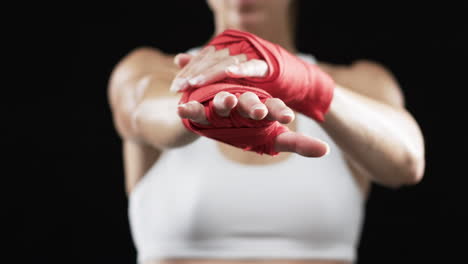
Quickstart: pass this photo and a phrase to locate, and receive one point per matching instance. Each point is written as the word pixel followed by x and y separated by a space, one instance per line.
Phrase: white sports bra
pixel 196 203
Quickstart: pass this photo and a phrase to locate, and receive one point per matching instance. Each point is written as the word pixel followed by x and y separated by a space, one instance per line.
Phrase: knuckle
pixel 250 94
pixel 242 57
pixel 224 94
pixel 247 95
pixel 271 102
pixel 200 112
pixel 262 63
pixel 282 104
pixel 205 51
pixel 221 53
pixel 220 94
pixel 218 99
pixel 238 59
pixel 202 52
pixel 234 60
pixel 277 101
pixel 245 66
pixel 193 104
pixel 177 58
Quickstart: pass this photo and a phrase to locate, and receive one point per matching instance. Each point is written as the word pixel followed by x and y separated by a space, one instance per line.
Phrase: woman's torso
pixel 225 261
pixel 205 193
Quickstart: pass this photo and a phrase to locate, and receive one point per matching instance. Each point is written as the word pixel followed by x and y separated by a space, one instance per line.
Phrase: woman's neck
pixel 275 29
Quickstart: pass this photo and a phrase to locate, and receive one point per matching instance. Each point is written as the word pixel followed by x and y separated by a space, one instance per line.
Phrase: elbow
pixel 123 109
pixel 124 123
pixel 406 172
pixel 129 66
pixel 122 86
pixel 411 172
pixel 414 171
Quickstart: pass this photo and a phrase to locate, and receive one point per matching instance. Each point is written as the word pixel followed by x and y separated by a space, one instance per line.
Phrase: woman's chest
pixel 217 198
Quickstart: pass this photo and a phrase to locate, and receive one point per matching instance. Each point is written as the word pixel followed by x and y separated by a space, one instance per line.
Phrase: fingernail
pixel 197 80
pixel 182 106
pixel 234 98
pixel 178 84
pixel 258 107
pixel 328 150
pixel 234 69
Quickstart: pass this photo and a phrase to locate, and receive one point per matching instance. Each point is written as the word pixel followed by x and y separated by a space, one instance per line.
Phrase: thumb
pixel 301 144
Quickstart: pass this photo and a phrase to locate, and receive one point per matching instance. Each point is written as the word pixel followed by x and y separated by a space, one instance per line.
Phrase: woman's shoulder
pixel 366 77
pixel 356 67
pixel 142 60
pixel 144 54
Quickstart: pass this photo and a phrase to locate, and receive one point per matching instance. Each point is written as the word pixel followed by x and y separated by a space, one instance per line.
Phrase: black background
pixel 67 201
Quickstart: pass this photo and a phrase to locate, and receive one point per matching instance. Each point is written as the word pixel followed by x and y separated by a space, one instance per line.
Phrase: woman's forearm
pixel 145 113
pixel 386 141
pixel 143 108
pixel 155 121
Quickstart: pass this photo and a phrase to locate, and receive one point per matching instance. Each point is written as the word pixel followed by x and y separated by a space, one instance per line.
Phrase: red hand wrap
pixel 301 85
pixel 238 131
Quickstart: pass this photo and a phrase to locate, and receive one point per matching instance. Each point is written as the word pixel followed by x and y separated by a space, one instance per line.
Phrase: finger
pixel 182 59
pixel 199 57
pixel 301 144
pixel 194 111
pixel 278 110
pixel 211 57
pixel 251 68
pixel 223 103
pixel 251 106
pixel 180 81
pixel 217 71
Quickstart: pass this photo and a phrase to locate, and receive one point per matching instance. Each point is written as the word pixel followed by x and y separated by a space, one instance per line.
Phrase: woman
pixel 196 200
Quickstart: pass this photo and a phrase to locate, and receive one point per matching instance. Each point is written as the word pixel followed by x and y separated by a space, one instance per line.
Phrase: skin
pixel 381 141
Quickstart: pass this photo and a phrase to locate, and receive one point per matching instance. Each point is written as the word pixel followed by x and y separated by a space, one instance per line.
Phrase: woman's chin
pixel 248 20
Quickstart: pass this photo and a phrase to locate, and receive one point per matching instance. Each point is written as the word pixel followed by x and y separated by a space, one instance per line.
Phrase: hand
pixel 302 86
pixel 249 105
pixel 212 65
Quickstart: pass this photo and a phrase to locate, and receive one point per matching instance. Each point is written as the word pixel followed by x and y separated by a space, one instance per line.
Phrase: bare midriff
pixel 224 261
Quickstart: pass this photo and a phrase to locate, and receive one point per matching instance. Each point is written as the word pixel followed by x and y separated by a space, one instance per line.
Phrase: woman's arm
pixel 138 159
pixel 147 116
pixel 368 120
pixel 143 110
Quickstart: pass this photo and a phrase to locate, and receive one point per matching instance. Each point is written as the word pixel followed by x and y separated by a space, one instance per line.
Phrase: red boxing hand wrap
pixel 302 86
pixel 238 131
